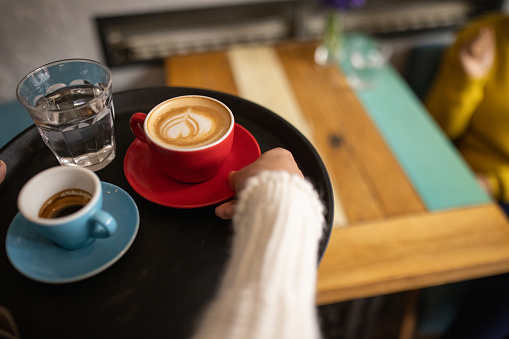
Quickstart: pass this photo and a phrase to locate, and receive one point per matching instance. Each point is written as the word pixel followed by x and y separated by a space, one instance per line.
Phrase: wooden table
pixel 395 227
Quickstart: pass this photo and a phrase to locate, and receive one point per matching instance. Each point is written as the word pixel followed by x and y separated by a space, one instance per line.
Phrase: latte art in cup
pixel 195 124
pixel 189 137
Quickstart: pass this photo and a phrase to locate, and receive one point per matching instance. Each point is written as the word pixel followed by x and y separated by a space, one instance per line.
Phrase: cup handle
pixel 103 225
pixel 136 124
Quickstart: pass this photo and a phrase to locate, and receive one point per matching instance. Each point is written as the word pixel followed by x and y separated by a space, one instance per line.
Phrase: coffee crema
pixel 64 203
pixel 194 123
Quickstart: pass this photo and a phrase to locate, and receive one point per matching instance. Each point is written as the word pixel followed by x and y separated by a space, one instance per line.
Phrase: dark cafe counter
pixel 163 281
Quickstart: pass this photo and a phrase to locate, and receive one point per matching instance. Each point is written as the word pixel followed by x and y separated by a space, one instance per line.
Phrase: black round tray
pixel 160 286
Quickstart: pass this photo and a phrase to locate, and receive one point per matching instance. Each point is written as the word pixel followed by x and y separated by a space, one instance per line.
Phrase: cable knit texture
pixel 268 290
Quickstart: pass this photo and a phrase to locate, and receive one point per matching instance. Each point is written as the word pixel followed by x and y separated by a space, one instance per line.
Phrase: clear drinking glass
pixel 366 57
pixel 71 103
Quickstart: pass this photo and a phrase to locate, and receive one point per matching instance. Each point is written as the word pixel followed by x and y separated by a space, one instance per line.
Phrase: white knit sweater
pixel 268 290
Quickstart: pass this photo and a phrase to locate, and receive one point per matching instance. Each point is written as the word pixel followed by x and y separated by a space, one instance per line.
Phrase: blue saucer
pixel 40 259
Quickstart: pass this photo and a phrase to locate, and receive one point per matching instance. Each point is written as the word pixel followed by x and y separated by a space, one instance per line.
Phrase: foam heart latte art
pixel 186 125
pixel 194 124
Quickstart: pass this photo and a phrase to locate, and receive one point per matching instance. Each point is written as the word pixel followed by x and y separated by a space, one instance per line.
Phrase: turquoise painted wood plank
pixel 432 163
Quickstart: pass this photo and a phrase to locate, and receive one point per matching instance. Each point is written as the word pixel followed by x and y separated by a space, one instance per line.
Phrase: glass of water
pixel 70 102
pixel 365 58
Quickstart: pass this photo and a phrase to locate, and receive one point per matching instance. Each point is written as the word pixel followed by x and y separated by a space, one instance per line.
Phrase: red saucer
pixel 149 181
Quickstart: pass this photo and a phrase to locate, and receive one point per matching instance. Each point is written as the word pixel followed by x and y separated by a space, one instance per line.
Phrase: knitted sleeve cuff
pixel 272 186
pixel 268 290
pixel 278 221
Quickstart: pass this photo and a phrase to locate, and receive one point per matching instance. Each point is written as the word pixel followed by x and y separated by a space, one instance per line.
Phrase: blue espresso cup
pixel 65 205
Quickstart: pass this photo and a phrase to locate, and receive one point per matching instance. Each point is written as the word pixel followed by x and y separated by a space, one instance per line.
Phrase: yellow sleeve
pixel 495 185
pixel 454 97
pixel 499 184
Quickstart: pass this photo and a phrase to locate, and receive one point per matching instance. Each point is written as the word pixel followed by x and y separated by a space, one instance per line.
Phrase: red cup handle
pixel 136 123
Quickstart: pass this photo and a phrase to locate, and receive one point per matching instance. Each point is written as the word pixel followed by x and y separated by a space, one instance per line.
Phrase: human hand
pixel 484 183
pixel 277 159
pixel 3 170
pixel 477 56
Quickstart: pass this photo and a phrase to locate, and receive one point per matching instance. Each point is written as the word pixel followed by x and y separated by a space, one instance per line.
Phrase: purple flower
pixel 344 4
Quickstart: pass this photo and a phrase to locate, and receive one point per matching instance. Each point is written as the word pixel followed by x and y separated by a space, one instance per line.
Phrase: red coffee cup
pixel 189 136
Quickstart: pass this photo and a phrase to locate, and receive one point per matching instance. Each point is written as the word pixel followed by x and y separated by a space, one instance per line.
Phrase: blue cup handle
pixel 103 225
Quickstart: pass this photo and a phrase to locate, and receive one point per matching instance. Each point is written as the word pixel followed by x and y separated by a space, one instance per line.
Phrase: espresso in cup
pixel 189 137
pixel 64 203
pixel 189 123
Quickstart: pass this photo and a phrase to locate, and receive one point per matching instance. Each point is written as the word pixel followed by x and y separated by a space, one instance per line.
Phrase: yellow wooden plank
pixel 414 252
pixel 208 70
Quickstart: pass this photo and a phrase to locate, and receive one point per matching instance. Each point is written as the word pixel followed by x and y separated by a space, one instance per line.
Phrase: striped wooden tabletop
pixel 408 234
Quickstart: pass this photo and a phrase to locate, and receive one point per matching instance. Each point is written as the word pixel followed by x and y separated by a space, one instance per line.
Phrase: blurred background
pixel 133 37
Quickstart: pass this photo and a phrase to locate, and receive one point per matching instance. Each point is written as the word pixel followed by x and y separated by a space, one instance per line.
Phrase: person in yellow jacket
pixel 469 99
